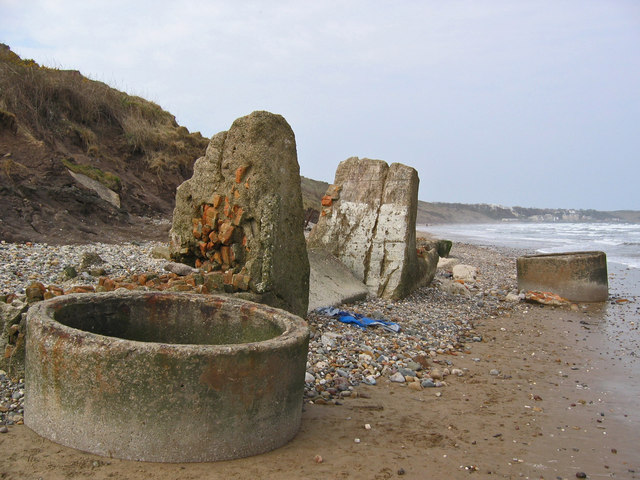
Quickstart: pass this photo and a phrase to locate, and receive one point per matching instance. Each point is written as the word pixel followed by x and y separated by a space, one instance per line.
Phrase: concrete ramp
pixel 330 282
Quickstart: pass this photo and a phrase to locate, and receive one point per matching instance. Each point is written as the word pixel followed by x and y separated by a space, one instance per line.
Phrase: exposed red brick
pixel 237 214
pixel 226 232
pixel 241 282
pixel 225 252
pixel 80 289
pixel 240 171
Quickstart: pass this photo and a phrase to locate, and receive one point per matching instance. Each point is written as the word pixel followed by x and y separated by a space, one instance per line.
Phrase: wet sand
pixel 564 402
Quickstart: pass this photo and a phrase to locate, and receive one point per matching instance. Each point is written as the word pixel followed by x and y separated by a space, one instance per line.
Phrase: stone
pixel 447 264
pixel 415 386
pixel 12 337
pixel 90 259
pixel 369 224
pixel 180 268
pixel 98 188
pixel 512 297
pixel 428 383
pixel 35 292
pixel 466 273
pixel 546 298
pixel 454 288
pixel 69 272
pixel 436 374
pixel 407 372
pixel 308 378
pixel 397 377
pixel 241 211
pixel 161 252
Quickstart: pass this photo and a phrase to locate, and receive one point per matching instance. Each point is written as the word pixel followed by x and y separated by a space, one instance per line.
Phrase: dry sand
pixel 565 402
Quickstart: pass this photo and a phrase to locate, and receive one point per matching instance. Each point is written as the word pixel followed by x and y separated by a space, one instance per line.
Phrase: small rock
pixel 397 377
pixel 161 252
pixel 180 268
pixel 318 459
pixel 512 297
pixel 407 372
pixel 428 383
pixel 69 272
pixel 4 429
pixel 435 374
pixel 90 259
pixel 370 380
pixel 308 378
pixel 401 471
pixel 494 372
pixel 581 475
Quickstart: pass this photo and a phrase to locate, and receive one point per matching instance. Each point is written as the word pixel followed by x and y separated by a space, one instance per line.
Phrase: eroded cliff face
pixel 368 221
pixel 240 216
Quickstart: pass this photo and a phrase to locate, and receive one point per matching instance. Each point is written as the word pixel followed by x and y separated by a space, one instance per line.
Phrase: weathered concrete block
pixel 241 212
pixel 164 377
pixel 368 222
pixel 331 283
pixel 576 276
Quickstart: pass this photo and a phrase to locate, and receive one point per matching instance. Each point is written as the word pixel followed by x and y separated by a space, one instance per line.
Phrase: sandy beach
pixel 549 392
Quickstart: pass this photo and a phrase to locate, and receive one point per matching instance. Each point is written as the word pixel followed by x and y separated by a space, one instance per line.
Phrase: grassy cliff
pixel 53 121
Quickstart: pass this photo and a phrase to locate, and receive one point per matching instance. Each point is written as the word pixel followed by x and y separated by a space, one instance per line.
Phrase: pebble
pixel 494 372
pixel 22 264
pixel 4 429
pixel 435 325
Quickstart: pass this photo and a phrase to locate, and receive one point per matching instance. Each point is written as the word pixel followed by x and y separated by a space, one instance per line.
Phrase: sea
pixel 620 241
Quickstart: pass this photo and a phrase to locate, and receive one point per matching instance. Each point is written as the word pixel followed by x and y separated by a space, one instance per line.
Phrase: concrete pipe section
pixel 576 276
pixel 164 377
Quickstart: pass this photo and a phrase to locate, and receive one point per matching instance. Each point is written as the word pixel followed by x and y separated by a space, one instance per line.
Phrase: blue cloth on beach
pixel 359 319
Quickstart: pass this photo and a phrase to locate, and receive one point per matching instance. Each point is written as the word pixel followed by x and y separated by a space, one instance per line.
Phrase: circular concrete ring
pixel 164 377
pixel 576 276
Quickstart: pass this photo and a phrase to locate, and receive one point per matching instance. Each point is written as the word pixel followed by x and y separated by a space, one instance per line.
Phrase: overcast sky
pixel 518 103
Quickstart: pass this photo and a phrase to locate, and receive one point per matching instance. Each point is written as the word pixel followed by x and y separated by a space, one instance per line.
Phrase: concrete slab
pixel 330 282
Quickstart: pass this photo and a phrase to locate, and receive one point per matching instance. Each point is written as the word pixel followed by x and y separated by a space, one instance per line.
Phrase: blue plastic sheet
pixel 358 319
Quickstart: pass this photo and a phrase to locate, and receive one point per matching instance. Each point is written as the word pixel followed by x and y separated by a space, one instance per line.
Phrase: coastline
pixel 559 405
